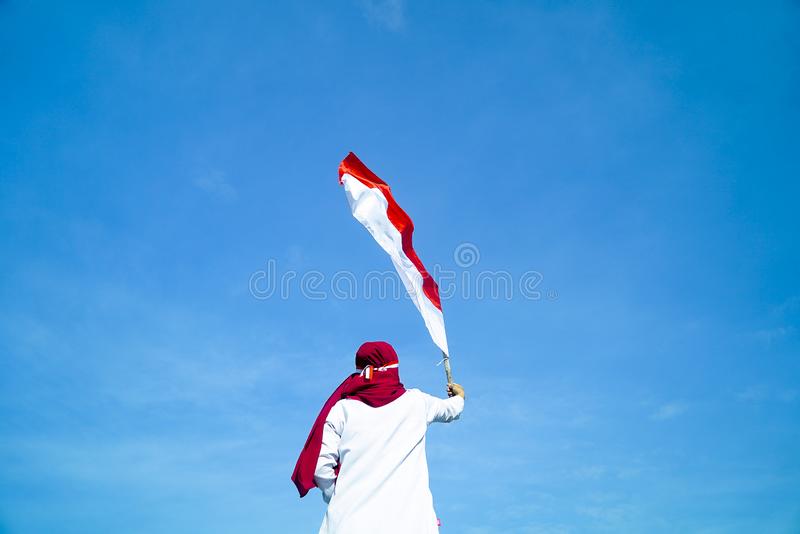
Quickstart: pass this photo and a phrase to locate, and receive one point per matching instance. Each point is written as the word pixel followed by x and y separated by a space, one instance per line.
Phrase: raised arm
pixel 445 410
pixel 325 473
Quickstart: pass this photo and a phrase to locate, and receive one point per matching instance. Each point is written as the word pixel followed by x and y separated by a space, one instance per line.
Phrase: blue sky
pixel 641 158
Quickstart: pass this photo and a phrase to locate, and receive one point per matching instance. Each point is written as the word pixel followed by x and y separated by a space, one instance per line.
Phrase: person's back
pixel 366 450
pixel 382 485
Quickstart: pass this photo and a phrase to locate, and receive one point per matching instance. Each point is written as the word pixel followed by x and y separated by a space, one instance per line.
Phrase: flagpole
pixel 447 370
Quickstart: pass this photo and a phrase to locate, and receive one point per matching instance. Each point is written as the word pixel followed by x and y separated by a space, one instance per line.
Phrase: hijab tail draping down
pixel 377 385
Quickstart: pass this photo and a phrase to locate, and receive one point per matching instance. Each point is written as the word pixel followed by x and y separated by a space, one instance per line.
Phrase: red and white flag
pixel 373 205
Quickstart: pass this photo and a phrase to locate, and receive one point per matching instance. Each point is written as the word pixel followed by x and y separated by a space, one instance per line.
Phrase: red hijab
pixel 373 388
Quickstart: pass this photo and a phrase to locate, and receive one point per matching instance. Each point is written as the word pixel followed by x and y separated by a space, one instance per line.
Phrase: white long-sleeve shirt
pixel 383 480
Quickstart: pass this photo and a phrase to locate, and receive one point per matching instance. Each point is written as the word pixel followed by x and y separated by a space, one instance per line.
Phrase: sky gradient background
pixel 154 155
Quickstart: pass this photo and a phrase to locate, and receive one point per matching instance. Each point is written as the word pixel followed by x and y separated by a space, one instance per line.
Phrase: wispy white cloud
pixel 216 183
pixel 789 305
pixel 754 393
pixel 761 393
pixel 771 335
pixel 389 14
pixel 608 515
pixel 669 410
pixel 224 473
pixel 590 472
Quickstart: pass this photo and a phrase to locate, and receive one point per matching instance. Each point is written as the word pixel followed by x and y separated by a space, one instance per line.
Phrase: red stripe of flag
pixel 354 167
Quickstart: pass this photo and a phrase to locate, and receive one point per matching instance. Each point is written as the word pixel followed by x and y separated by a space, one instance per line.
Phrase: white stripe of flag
pixel 373 205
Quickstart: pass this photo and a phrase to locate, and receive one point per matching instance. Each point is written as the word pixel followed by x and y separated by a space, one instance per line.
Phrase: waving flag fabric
pixel 373 205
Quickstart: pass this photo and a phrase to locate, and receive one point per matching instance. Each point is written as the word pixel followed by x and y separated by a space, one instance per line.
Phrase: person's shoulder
pixel 342 406
pixel 337 407
pixel 415 393
pixel 412 395
pixel 419 393
pixel 347 404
